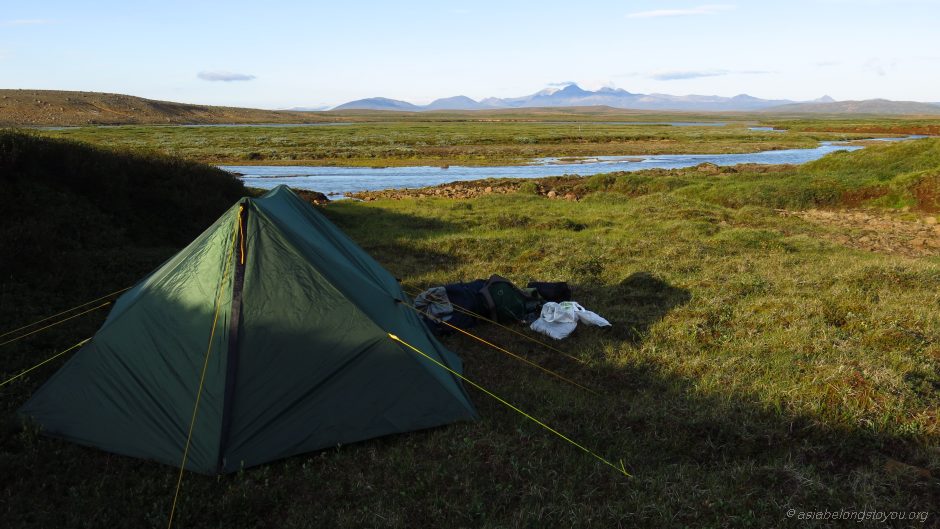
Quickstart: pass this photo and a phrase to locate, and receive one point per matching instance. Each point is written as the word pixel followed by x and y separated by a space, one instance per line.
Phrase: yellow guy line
pixel 202 377
pixel 468 312
pixel 57 355
pixel 620 468
pixel 65 312
pixel 241 232
pixel 105 304
pixel 498 348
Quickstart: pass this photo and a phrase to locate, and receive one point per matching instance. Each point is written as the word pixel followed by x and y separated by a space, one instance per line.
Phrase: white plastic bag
pixel 555 328
pixel 563 312
pixel 590 318
pixel 558 320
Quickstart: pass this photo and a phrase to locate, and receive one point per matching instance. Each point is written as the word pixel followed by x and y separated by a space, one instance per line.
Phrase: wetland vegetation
pixel 755 365
pixel 418 140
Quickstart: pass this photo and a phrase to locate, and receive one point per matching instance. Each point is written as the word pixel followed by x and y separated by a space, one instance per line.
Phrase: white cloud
pixel 25 22
pixel 880 67
pixel 859 3
pixel 690 11
pixel 218 75
pixel 695 74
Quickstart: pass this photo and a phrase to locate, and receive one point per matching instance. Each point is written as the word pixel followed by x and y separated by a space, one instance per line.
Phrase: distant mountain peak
pixel 454 103
pixel 378 103
pixel 612 90
pixel 572 89
pixel 320 108
pixel 462 99
pixel 823 99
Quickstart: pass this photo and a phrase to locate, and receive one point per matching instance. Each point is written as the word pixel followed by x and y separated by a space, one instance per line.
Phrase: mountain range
pixel 31 108
pixel 573 95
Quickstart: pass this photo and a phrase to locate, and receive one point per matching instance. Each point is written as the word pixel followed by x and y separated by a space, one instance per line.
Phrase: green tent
pixel 300 355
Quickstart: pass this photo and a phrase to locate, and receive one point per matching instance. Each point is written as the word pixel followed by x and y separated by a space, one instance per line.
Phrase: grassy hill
pixel 868 106
pixel 66 108
pixel 79 220
pixel 754 367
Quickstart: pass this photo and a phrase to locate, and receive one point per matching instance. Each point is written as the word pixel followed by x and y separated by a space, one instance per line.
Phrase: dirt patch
pixel 856 197
pixel 927 193
pixel 314 197
pixel 900 233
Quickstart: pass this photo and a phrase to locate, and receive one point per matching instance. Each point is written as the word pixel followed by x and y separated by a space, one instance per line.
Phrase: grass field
pixel 863 124
pixel 438 143
pixel 753 367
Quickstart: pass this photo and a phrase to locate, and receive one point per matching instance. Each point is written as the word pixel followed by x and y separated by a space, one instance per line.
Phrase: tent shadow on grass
pixel 663 423
pixel 393 239
pixel 361 222
pixel 633 305
pixel 688 448
pixel 636 303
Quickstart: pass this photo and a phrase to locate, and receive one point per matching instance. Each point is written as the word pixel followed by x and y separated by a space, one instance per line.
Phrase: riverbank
pixel 569 187
pixel 346 180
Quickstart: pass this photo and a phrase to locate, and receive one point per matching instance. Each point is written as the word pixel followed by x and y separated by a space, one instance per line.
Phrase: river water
pixel 342 180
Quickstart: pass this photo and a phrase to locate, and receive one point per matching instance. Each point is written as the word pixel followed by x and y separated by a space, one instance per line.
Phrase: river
pixel 341 180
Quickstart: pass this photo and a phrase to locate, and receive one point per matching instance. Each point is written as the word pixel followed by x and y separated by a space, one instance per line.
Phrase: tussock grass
pixel 749 361
pixel 752 368
pixel 895 175
pixel 858 124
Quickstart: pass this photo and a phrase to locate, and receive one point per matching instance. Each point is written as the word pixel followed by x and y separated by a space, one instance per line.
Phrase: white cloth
pixel 558 320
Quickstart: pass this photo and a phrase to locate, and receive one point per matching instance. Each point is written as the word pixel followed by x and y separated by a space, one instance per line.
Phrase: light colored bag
pixel 564 312
pixel 435 304
pixel 590 318
pixel 558 320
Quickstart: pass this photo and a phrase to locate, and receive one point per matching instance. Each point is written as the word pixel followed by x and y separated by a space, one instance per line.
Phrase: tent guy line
pixel 295 342
pixel 620 468
pixel 501 349
pixel 46 361
pixel 105 304
pixel 205 365
pixel 469 312
pixel 326 295
pixel 47 318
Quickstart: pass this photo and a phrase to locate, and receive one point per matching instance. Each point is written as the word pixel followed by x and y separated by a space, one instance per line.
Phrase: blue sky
pixel 280 54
